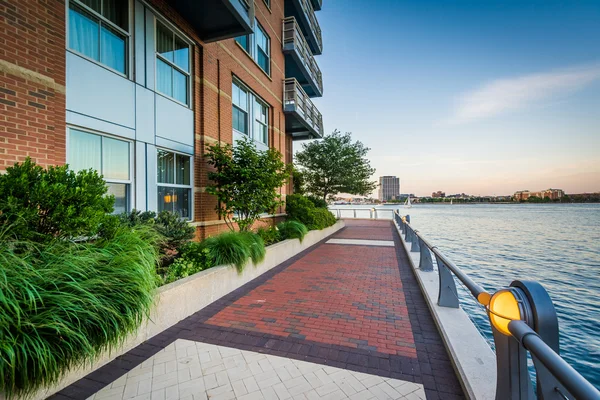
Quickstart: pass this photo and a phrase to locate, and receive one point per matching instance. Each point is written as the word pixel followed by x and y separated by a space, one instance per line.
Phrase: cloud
pixel 504 95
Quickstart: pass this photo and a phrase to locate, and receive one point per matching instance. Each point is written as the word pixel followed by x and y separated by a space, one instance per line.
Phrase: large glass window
pixel 172 64
pixel 174 183
pixel 258 46
pixel 110 157
pixel 240 108
pixel 263 49
pixel 98 29
pixel 245 104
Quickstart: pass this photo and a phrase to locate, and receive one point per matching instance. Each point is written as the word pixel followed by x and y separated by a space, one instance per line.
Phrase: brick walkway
pixel 352 307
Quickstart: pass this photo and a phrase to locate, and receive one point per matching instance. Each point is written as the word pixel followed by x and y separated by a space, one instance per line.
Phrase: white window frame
pixel 252 99
pixel 176 185
pixel 103 20
pixel 176 33
pixel 130 182
pixel 252 49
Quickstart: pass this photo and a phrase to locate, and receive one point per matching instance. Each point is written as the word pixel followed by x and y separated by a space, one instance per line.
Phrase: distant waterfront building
pixel 438 194
pixel 389 188
pixel 552 194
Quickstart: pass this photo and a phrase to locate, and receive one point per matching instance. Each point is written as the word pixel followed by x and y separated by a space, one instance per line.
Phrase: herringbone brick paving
pixel 320 335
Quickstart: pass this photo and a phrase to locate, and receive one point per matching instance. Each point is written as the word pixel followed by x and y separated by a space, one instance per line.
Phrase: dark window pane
pixel 113 49
pixel 240 120
pixel 83 33
pixel 94 5
pixel 244 42
pixel 164 42
pixel 182 170
pixel 165 167
pixel 121 193
pixel 263 61
pixel 181 200
pixel 116 11
pixel 165 199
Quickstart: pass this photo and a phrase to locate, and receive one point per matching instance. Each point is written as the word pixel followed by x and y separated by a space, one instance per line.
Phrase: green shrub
pixel 302 209
pixel 292 230
pixel 317 201
pixel 321 218
pixel 63 303
pixel 228 248
pixel 256 245
pixel 194 257
pixel 174 231
pixel 40 204
pixel 269 235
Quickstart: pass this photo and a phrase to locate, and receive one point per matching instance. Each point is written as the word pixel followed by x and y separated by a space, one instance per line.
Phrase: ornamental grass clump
pixel 228 248
pixel 63 303
pixel 292 230
pixel 256 245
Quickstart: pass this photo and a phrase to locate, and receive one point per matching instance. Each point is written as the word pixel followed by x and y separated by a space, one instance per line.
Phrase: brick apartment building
pixel 138 88
pixel 552 194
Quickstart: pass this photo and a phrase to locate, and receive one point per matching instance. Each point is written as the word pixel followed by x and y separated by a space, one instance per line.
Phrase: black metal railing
pixel 529 326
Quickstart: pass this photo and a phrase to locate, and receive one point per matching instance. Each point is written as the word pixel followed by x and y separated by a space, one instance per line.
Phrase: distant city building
pixel 552 194
pixel 438 194
pixel 389 188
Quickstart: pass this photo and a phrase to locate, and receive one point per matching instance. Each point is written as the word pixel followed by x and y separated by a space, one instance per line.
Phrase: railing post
pixel 339 213
pixel 370 213
pixel 375 213
pixel 447 295
pixel 355 213
pixel 425 261
pixel 407 234
pixel 415 241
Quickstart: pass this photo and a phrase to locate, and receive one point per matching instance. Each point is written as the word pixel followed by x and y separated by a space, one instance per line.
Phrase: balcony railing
pixel 317 4
pixel 305 14
pixel 523 320
pixel 216 20
pixel 303 120
pixel 307 71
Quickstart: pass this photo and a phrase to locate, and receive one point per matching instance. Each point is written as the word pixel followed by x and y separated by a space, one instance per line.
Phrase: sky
pixel 483 97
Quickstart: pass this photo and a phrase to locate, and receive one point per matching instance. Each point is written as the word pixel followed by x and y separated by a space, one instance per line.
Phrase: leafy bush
pixel 292 230
pixel 302 209
pixel 64 303
pixel 269 235
pixel 317 201
pixel 174 231
pixel 194 257
pixel 40 204
pixel 321 218
pixel 256 245
pixel 228 248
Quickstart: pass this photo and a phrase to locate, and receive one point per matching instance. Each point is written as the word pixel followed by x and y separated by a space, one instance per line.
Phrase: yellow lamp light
pixel 503 308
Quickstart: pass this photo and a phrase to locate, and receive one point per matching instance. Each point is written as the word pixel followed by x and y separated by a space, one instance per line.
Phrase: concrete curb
pixel 472 358
pixel 180 299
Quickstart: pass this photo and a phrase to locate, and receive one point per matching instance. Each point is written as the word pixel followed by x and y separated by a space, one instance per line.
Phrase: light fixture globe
pixel 505 305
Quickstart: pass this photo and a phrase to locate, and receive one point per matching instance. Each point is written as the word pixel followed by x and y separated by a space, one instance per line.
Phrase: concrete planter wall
pixel 178 300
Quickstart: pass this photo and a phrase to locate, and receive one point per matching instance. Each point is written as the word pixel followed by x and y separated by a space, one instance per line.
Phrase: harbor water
pixel 557 245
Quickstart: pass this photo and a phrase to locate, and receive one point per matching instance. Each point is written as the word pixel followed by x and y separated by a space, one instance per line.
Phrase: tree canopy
pixel 335 165
pixel 245 182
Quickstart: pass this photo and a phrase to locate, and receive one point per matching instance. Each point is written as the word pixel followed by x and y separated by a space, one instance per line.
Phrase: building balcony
pixel 317 4
pixel 302 119
pixel 304 13
pixel 217 19
pixel 299 61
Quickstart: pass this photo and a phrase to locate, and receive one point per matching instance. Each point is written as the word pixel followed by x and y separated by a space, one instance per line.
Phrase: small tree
pixel 336 165
pixel 245 182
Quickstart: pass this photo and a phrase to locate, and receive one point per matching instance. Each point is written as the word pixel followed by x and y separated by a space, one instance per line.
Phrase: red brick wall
pixel 32 81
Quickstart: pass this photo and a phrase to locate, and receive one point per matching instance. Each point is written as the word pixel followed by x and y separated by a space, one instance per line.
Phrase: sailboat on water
pixel 407 203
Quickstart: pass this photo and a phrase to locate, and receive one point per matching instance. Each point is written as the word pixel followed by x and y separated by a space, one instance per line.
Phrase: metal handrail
pixel 373 212
pixel 294 94
pixel 556 379
pixel 293 34
pixel 309 11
